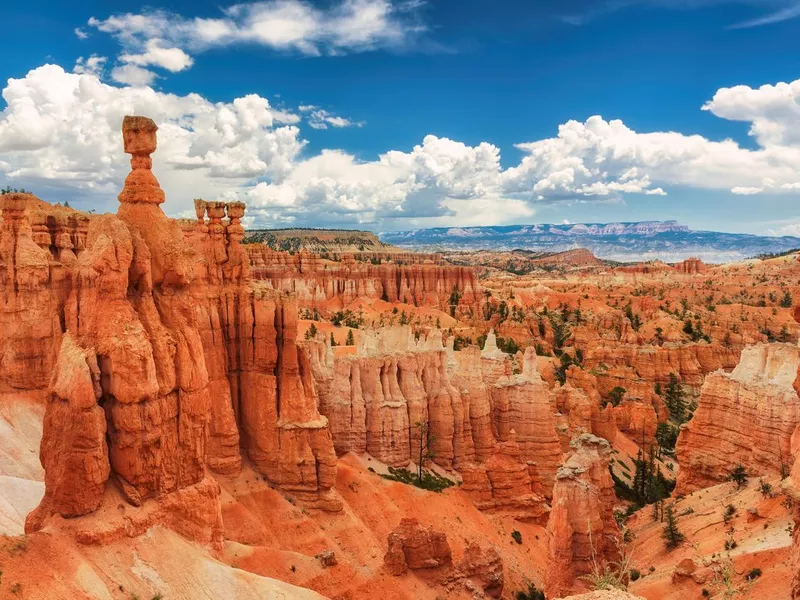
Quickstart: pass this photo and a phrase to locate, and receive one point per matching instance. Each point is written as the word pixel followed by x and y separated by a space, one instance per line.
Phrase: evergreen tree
pixel 786 301
pixel 666 436
pixel 640 478
pixel 311 332
pixel 675 398
pixel 616 395
pixel 739 476
pixel 351 341
pixel 671 534
pixel 333 341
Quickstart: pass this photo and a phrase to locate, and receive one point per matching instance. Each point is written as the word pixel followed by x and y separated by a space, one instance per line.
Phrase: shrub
pixel 429 481
pixel 753 574
pixel 729 513
pixel 531 594
pixel 517 536
pixel 635 574
pixel 615 396
pixel 739 476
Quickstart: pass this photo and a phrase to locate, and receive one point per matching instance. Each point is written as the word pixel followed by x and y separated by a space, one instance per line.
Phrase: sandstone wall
pixel 332 285
pixel 622 364
pixel 745 417
pixel 469 400
pixel 581 523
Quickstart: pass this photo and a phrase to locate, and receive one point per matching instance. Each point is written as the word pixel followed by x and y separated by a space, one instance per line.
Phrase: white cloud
pixel 319 118
pixel 80 33
pixel 792 229
pixel 93 65
pixel 792 11
pixel 437 179
pixel 165 39
pixel 746 191
pixel 171 59
pixel 133 75
pixel 60 133
pixel 781 10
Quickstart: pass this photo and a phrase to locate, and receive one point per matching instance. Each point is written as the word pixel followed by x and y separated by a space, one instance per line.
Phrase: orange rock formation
pixel 413 547
pixel 143 388
pixel 581 521
pixel 332 285
pixel 745 417
pixel 469 400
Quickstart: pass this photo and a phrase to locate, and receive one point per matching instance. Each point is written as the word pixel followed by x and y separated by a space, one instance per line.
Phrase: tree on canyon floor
pixel 675 398
pixel 311 332
pixel 666 436
pixel 561 331
pixel 671 534
pixel 455 297
pixel 786 301
pixel 351 341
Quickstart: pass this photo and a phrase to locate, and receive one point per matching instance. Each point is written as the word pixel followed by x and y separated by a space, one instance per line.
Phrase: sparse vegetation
pixel 433 482
pixel 671 534
pixel 532 593
pixel 739 476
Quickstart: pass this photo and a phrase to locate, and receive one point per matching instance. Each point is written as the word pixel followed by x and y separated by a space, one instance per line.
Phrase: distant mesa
pixel 319 240
pixel 668 241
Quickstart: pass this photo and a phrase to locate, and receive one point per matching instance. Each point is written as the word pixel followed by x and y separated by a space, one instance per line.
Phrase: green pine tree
pixel 671 534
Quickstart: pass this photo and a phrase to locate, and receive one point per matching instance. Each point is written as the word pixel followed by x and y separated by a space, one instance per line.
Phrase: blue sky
pixel 405 114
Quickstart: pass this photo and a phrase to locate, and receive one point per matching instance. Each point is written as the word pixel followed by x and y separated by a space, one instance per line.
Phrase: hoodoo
pixel 153 395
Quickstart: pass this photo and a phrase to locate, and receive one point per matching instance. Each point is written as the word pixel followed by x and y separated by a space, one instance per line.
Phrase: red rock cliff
pixel 745 417
pixel 581 520
pixel 331 285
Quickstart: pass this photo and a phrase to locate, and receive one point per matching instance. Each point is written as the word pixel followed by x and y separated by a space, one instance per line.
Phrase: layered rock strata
pixel 414 547
pixel 506 484
pixel 620 364
pixel 379 399
pixel 332 285
pixel 744 417
pixel 581 524
pixel 162 357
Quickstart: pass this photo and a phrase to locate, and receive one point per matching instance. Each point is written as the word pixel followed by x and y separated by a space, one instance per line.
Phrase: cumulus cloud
pixel 93 65
pixel 165 39
pixel 171 59
pixel 80 33
pixel 133 75
pixel 421 184
pixel 59 133
pixel 319 118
